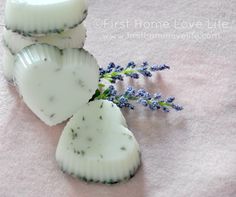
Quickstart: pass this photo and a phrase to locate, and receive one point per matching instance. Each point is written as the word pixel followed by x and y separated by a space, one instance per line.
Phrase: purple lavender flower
pixel 112 90
pixel 119 68
pixel 165 109
pixel 170 99
pixel 111 66
pixel 143 102
pixel 154 105
pixel 131 64
pixel 157 96
pixel 101 71
pixel 130 92
pixel 177 107
pixel 134 75
pixel 159 68
pixel 140 93
pixel 108 70
pixel 143 97
pixel 147 96
pixel 111 98
pixel 145 63
pixel 115 72
pixel 147 74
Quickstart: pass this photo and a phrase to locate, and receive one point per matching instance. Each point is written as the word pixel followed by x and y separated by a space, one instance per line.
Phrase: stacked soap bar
pixel 45 59
pixel 54 22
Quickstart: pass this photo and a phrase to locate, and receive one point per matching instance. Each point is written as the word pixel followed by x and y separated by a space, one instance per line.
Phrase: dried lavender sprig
pixel 153 102
pixel 115 72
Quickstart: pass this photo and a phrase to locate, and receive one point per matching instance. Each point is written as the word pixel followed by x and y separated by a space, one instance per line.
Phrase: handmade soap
pixel 44 16
pixel 55 83
pixel 97 146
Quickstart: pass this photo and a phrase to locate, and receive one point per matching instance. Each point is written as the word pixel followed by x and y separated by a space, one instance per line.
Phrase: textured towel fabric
pixel 186 154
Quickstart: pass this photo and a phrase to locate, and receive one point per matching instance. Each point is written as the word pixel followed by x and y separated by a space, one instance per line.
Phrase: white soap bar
pixel 14 42
pixel 73 38
pixel 8 64
pixel 96 146
pixel 55 83
pixel 44 16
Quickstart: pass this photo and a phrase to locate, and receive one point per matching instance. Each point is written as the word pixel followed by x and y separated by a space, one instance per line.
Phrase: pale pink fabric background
pixel 186 154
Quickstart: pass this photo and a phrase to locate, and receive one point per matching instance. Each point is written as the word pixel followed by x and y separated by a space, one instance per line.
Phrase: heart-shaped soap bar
pixel 96 145
pixel 55 83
